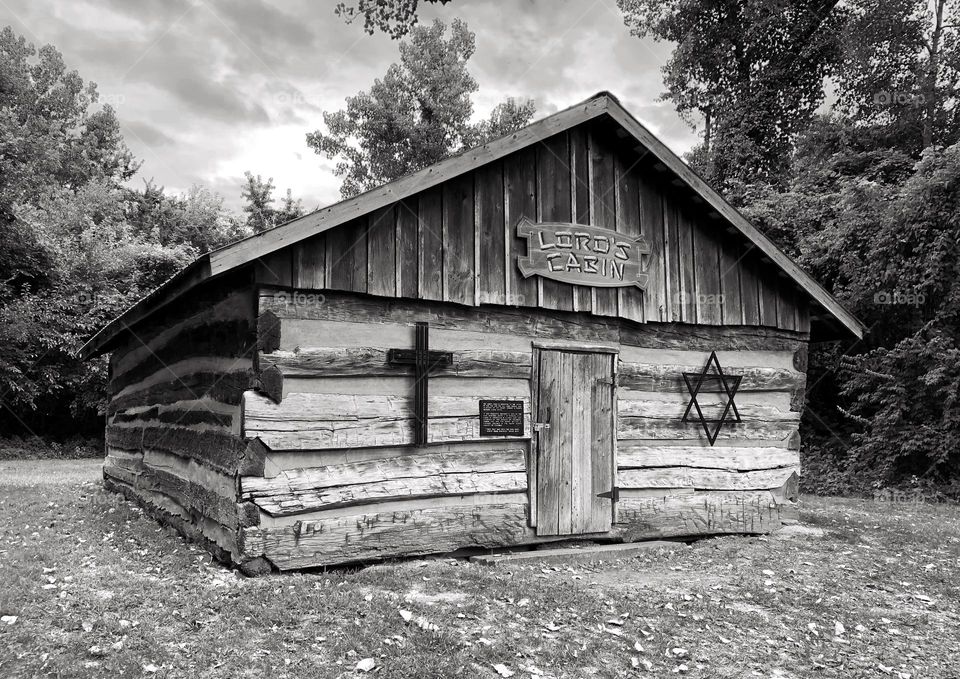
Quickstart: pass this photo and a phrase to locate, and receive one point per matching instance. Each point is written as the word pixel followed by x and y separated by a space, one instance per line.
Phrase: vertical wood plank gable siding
pixel 457 243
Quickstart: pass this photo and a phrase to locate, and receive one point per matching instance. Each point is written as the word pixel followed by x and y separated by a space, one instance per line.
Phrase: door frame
pixel 534 456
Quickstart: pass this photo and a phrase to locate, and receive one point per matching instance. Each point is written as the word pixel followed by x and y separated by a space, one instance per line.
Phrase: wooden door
pixel 574 442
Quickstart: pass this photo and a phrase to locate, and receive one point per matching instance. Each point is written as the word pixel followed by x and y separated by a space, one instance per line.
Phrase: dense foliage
pixel 866 196
pixel 77 244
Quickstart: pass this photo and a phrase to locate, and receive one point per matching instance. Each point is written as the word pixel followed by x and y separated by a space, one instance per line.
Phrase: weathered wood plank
pixel 381 253
pixel 630 300
pixel 603 422
pixel 767 286
pixel 374 534
pixel 453 484
pixel 730 265
pixel 580 201
pixel 550 389
pixel 315 421
pixel 448 474
pixel 659 377
pixel 750 286
pixel 553 204
pixel 712 405
pixel 671 260
pixel 634 454
pixel 347 257
pixel 275 268
pixel 277 462
pixel 603 187
pixel 493 244
pixel 686 264
pixel 458 240
pixel 655 298
pixel 310 263
pixel 704 479
pixel 408 241
pixel 707 276
pixel 520 179
pixel 372 362
pixel 430 244
pixel 645 428
pixel 700 513
pixel 562 419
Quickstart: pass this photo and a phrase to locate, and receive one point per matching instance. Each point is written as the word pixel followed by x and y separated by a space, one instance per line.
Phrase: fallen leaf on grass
pixel 503 670
pixel 406 615
pixel 838 628
pixel 366 664
pixel 150 668
pixel 8 619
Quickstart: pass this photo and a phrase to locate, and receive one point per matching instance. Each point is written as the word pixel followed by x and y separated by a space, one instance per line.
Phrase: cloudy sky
pixel 206 89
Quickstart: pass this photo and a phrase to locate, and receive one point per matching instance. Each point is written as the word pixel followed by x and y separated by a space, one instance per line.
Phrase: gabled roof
pixel 247 250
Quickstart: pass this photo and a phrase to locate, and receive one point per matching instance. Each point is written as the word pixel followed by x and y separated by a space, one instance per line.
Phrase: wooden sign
pixel 501 418
pixel 583 255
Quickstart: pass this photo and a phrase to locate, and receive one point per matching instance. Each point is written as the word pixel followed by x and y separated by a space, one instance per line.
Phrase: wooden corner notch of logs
pixel 493 352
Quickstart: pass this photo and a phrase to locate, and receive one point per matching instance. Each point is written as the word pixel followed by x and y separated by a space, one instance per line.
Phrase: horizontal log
pixel 752 406
pixel 203 308
pixel 423 465
pixel 425 475
pixel 226 388
pixel 316 421
pixel 704 479
pixel 195 412
pixel 217 449
pixel 439 485
pixel 631 428
pixel 220 540
pixel 539 323
pixel 373 535
pixel 201 495
pixel 277 462
pixel 514 321
pixel 659 377
pixel 488 387
pixel 372 362
pixel 226 339
pixel 730 361
pixel 699 514
pixel 632 455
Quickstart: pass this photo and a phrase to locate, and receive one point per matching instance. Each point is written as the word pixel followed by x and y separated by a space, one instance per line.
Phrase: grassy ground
pixel 98 589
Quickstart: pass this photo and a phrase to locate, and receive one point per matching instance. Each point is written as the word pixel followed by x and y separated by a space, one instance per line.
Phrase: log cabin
pixel 563 333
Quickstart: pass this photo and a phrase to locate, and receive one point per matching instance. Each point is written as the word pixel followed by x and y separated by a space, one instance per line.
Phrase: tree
pixel 416 115
pixel 49 134
pixel 393 17
pixel 751 71
pixel 901 70
pixel 261 214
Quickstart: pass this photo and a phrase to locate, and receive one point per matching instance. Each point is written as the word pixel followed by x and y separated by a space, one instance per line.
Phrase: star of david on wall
pixel 728 385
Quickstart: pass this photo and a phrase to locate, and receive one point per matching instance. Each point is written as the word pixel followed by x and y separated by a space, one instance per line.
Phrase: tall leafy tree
pixel 901 70
pixel 751 71
pixel 417 114
pixel 259 206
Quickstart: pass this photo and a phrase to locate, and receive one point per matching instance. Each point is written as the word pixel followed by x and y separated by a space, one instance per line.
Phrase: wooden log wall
pixel 340 481
pixel 457 242
pixel 173 434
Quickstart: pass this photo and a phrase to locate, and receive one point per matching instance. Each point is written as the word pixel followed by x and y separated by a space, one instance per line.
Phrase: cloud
pixel 206 89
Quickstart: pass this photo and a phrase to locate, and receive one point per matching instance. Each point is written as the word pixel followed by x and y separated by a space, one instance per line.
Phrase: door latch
pixel 613 494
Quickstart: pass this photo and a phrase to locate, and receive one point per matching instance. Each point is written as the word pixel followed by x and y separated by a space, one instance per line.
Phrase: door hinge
pixel 540 426
pixel 613 494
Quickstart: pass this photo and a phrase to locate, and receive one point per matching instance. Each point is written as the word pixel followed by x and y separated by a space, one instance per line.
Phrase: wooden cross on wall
pixel 424 361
